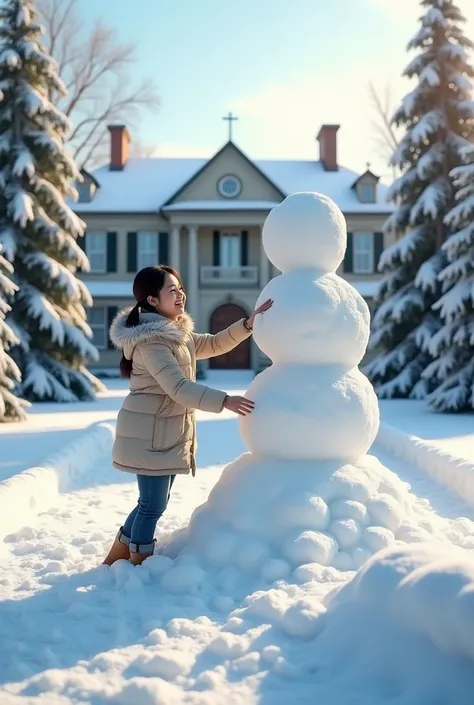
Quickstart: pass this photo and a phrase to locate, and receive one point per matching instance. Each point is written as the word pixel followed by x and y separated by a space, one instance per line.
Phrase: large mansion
pixel 205 218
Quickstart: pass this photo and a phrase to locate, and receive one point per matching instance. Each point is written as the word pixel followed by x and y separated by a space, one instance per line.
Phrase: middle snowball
pixel 314 320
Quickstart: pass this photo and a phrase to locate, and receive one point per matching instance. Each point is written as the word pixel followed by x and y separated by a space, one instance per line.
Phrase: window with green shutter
pixel 216 249
pixel 378 249
pixel 348 257
pixel 132 253
pixel 96 248
pixel 363 253
pixel 111 252
pixel 163 247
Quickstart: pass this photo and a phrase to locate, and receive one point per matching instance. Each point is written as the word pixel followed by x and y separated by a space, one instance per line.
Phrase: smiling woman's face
pixel 171 300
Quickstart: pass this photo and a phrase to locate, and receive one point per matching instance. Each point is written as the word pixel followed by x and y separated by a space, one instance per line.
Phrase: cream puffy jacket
pixel 156 430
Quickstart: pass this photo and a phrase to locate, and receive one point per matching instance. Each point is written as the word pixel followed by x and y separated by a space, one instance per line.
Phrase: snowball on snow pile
pixel 407 619
pixel 422 588
pixel 400 631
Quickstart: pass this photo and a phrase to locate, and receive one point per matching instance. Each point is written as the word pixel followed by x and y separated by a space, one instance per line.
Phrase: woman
pixel 156 432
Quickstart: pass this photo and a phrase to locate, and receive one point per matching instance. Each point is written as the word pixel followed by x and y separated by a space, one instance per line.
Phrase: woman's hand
pixel 261 309
pixel 239 405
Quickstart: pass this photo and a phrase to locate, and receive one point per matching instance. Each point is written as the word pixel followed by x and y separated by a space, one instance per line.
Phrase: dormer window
pixel 366 187
pixel 87 188
pixel 86 191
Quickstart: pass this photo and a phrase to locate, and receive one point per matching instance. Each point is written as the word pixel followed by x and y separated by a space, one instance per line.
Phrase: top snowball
pixel 306 230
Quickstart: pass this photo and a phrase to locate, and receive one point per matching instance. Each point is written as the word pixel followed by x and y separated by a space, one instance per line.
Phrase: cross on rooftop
pixel 230 119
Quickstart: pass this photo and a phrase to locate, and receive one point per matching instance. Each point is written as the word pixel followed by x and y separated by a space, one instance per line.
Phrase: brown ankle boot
pixel 119 550
pixel 136 557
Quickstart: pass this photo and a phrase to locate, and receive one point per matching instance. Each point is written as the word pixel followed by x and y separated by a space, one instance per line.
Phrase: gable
pixel 230 161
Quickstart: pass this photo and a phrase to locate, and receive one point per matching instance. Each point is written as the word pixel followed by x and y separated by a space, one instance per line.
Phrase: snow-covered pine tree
pixel 11 407
pixel 37 228
pixel 437 118
pixel 453 345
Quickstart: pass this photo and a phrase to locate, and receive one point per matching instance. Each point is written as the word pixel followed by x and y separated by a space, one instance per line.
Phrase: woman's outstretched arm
pixel 208 345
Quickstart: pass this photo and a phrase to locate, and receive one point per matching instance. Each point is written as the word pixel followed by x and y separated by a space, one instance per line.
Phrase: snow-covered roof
pixel 224 205
pixel 146 184
pixel 123 289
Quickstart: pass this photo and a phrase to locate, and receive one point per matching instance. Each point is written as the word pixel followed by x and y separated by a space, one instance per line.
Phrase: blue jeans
pixel 139 528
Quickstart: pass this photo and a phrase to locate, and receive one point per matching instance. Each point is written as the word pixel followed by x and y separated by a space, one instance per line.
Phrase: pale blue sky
pixel 283 66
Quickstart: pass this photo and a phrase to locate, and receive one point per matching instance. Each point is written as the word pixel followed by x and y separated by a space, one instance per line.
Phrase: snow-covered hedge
pixel 34 490
pixel 450 470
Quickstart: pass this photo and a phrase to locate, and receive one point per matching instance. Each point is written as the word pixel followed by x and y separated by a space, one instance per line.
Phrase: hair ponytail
pixel 133 319
pixel 125 367
pixel 148 282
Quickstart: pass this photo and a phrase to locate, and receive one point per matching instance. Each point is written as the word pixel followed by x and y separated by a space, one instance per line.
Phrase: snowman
pixel 306 496
pixel 313 403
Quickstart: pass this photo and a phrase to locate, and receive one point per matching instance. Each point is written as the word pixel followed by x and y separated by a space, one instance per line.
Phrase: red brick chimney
pixel 119 146
pixel 327 139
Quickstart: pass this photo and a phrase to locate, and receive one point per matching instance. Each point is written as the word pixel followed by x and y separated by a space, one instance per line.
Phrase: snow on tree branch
pixel 38 228
pixel 436 118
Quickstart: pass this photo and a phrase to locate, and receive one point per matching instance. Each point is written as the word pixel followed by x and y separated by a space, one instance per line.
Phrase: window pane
pixel 147 245
pixel 363 253
pixel 97 319
pixel 368 193
pixel 235 252
pixel 230 249
pixel 96 251
pixel 363 242
pixel 146 259
pixel 97 262
pixel 99 337
pixel 96 316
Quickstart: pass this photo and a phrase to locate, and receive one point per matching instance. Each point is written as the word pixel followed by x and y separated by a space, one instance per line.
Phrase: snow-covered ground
pixel 212 628
pixel 453 433
pixel 51 426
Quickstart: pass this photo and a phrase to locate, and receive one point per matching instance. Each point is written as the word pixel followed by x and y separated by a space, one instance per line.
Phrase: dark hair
pixel 148 282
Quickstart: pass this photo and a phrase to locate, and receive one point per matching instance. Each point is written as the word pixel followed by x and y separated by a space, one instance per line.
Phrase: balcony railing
pixel 212 276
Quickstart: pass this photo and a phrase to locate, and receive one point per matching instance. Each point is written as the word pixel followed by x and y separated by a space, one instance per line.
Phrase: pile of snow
pixel 452 471
pixel 34 490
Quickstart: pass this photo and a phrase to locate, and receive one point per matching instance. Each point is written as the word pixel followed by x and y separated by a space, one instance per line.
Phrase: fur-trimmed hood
pixel 152 327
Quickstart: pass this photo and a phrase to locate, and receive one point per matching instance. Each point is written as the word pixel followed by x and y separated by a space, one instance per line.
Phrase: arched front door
pixel 239 357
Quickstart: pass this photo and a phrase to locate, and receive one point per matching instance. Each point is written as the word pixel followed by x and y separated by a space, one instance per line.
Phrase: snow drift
pixel 34 490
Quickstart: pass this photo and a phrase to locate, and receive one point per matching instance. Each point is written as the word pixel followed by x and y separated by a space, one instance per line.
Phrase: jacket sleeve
pixel 213 345
pixel 163 366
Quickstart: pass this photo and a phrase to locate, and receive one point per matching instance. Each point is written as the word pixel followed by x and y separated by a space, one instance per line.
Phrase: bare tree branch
pixel 385 134
pixel 96 68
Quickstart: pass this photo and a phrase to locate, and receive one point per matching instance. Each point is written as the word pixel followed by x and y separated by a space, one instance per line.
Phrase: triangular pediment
pixel 229 176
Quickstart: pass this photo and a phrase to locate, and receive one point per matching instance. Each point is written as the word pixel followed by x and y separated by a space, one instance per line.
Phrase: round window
pixel 229 186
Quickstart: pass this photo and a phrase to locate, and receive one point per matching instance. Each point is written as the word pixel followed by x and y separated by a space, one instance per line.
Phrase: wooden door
pixel 239 357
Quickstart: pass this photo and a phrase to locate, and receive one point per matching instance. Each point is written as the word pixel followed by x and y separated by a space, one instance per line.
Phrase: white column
pixel 264 265
pixel 193 273
pixel 175 248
